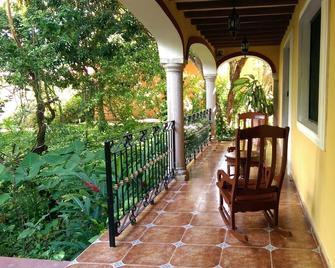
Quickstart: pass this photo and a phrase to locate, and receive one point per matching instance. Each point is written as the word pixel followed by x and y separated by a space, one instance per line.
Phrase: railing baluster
pixel 197 133
pixel 137 168
pixel 110 195
pixel 115 172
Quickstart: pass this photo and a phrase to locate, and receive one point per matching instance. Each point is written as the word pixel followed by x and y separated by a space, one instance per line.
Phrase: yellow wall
pixel 313 169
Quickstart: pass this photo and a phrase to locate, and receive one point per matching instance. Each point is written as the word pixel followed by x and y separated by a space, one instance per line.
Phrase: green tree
pixel 96 48
pixel 30 62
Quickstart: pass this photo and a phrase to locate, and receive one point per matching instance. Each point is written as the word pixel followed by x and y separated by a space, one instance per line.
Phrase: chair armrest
pixel 231 149
pixel 223 178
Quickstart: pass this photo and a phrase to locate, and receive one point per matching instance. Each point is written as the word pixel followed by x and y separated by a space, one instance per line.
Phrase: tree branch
pixel 11 24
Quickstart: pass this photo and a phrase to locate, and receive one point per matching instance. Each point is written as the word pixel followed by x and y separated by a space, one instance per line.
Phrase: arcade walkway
pixel 184 229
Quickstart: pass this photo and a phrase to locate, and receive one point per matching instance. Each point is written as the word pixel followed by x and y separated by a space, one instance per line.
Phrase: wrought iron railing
pixel 197 133
pixel 137 170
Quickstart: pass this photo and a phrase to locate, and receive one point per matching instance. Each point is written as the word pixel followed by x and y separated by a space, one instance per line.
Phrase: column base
pixel 182 174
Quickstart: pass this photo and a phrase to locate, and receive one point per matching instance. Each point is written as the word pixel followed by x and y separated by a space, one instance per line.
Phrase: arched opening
pixel 201 64
pixel 250 53
pixel 243 84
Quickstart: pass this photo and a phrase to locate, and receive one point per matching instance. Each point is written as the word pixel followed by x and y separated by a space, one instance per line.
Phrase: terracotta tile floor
pixel 184 229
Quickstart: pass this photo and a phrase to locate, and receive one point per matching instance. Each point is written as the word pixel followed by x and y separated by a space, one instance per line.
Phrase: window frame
pixel 314 131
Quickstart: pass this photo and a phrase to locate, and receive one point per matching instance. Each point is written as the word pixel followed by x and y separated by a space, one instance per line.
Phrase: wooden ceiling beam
pixel 251 43
pixel 243 26
pixel 251 39
pixel 216 39
pixel 242 32
pixel 228 4
pixel 235 45
pixel 225 38
pixel 268 11
pixel 243 20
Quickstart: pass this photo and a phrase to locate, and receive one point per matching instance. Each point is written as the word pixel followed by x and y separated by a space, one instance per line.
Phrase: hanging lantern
pixel 245 46
pixel 233 23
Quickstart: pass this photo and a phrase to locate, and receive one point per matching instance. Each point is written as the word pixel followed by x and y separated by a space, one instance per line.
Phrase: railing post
pixel 210 123
pixel 173 147
pixel 211 98
pixel 110 195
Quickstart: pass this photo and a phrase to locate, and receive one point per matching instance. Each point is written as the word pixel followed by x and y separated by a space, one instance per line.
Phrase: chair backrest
pixel 269 169
pixel 251 119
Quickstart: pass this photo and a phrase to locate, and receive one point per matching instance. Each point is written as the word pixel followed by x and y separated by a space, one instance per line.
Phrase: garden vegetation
pixel 52 175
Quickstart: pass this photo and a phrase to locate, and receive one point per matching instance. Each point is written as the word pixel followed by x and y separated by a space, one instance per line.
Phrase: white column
pixel 211 98
pixel 275 99
pixel 174 83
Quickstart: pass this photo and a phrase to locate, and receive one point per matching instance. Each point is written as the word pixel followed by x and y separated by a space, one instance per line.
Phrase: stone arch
pixel 250 53
pixel 204 52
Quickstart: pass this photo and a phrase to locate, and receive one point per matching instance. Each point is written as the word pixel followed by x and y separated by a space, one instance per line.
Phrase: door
pixel 286 86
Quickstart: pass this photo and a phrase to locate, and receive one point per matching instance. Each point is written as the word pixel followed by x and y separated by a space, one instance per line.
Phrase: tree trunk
pixel 102 124
pixel 40 117
pixel 235 68
pixel 40 146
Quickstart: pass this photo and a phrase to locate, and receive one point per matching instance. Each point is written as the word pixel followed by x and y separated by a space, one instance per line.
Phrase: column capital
pixel 173 66
pixel 210 76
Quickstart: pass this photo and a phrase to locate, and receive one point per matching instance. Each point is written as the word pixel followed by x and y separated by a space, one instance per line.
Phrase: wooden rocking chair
pixel 245 120
pixel 252 189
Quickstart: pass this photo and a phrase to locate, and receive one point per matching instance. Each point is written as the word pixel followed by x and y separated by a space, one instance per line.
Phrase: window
pixel 312 79
pixel 313 107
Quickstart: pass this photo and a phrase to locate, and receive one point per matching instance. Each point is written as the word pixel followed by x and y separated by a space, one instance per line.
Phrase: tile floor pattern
pixel 184 229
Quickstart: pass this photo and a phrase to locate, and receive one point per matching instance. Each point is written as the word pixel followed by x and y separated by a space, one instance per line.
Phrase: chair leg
pixel 276 212
pixel 239 236
pixel 232 218
pixel 228 169
pixel 221 200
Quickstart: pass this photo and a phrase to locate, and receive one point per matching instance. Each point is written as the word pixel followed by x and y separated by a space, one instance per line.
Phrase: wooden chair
pixel 245 120
pixel 260 190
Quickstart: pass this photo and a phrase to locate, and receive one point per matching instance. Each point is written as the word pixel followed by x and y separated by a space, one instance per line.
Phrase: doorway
pixel 286 94
pixel 286 85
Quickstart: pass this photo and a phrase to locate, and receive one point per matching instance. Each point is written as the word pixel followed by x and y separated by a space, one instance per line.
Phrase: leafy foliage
pixel 53 203
pixel 48 205
pixel 251 95
pixel 194 94
pixel 96 48
pixel 223 130
pixel 103 54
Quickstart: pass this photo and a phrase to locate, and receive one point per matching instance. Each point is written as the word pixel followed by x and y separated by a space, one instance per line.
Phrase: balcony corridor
pixel 184 229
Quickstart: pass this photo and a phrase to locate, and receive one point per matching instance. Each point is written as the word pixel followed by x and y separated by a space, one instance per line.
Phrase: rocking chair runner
pixel 244 193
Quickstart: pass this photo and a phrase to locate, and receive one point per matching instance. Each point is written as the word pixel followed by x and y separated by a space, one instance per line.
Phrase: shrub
pixel 52 205
pixel 73 110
